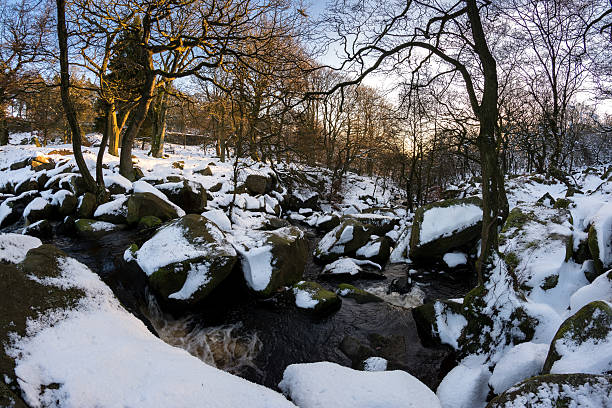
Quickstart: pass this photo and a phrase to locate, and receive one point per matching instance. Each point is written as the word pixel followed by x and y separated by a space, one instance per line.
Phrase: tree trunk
pixel 113 130
pixel 4 132
pixel 159 123
pixel 62 36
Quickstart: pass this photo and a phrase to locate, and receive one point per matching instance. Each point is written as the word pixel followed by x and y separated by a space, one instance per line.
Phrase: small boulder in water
pixel 311 296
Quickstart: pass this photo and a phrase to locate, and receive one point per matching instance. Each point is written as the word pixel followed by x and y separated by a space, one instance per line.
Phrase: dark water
pixel 257 339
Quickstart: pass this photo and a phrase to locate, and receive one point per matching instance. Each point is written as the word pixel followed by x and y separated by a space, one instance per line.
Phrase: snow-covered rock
pixel 186 259
pixel 14 247
pixel 272 259
pixel 311 296
pixel 583 342
pixel 600 238
pixel 343 240
pixel 188 195
pixel 326 384
pixel 443 226
pixel 219 218
pixel 114 211
pixel 599 289
pixel 465 386
pixel 519 363
pixel 377 224
pixel 348 268
pixel 68 342
pixel 145 204
pixel 38 209
pixel 558 390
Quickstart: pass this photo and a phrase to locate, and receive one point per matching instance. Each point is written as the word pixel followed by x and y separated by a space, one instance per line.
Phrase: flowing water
pixel 257 339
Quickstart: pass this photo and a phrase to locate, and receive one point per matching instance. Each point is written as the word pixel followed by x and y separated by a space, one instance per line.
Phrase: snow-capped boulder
pixel 93 229
pixel 465 386
pixel 326 384
pixel 599 289
pixel 37 209
pixel 86 205
pixel 143 204
pixel 377 224
pixel 188 195
pixel 65 202
pixel 14 247
pixel 186 259
pixel 348 268
pixel 311 296
pixel 62 330
pixel 359 295
pixel 583 342
pixel 26 185
pixel 523 361
pixel 558 390
pixel 114 211
pixel 272 259
pixel 443 226
pixel 343 240
pixel 376 250
pixel 117 184
pixel 327 222
pixel 74 183
pixel 40 229
pixel 600 238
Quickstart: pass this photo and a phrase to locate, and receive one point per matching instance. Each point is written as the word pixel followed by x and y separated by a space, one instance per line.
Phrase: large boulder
pixel 114 211
pixel 344 240
pixel 186 259
pixel 376 250
pixel 348 268
pixel 310 296
pixel 40 229
pixel 86 205
pixel 188 195
pixel 558 390
pixel 65 202
pixel 274 259
pixel 94 229
pixel 600 238
pixel 583 342
pixel 143 204
pixel 377 224
pixel 37 209
pixel 443 226
pixel 259 183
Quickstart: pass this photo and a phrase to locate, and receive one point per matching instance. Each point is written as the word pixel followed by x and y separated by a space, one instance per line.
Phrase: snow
pixel 37 204
pixel 441 222
pixel 102 226
pixel 59 197
pixel 375 364
pixel 348 266
pixel 257 266
pixel 325 384
pixel 330 243
pixel 602 222
pixel 450 325
pixel 142 186
pixel 14 247
pixel 117 206
pixel 101 355
pixel 197 276
pixel 303 298
pixel 519 363
pixel 369 250
pixel 465 386
pixel 219 218
pixel 599 289
pixel 114 178
pixel 453 259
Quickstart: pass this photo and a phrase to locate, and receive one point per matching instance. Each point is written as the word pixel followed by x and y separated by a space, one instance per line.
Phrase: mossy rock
pixel 39 213
pixel 25 297
pixel 557 390
pixel 330 249
pixel 8 399
pixel 512 261
pixel 259 184
pixel 86 206
pixel 592 323
pixel 214 257
pixel 68 205
pixel 464 238
pixel 88 228
pixel 26 185
pixel 41 229
pixel 329 223
pixel 376 224
pixel 550 282
pixel 594 249
pixel 479 324
pixel 359 295
pixel 149 221
pixel 143 204
pixel 562 203
pixel 326 301
pixel 517 219
pixel 289 252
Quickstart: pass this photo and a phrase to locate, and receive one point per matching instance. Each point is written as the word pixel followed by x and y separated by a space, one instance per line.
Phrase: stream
pixel 256 339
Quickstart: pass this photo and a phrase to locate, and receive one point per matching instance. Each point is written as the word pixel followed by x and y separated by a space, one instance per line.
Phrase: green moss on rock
pixel 361 296
pixel 148 204
pixel 326 301
pixel 149 221
pixel 594 249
